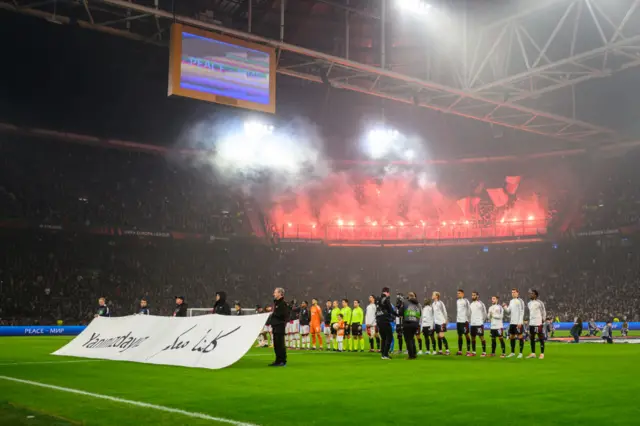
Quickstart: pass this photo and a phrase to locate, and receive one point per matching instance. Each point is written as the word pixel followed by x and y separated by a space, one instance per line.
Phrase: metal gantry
pixel 510 62
pixel 518 58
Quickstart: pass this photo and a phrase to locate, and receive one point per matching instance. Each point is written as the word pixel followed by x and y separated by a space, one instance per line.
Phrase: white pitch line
pixel 50 362
pixel 127 402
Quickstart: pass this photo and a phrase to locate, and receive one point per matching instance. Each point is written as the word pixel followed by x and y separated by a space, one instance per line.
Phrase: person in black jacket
pixel 181 307
pixel 576 330
pixel 221 306
pixel 305 325
pixel 384 316
pixel 278 320
pixel 400 320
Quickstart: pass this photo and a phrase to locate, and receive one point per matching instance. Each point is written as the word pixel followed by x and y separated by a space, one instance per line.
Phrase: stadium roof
pixel 556 69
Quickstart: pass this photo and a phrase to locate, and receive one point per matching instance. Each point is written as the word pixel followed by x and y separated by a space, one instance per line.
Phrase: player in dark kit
pixel 103 310
pixel 305 321
pixel 326 315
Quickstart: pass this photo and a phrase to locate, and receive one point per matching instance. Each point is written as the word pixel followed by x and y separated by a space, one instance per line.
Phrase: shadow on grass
pixel 12 415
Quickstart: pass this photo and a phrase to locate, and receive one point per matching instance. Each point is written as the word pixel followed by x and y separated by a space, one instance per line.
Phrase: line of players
pixel 470 319
pixel 336 327
pixel 342 325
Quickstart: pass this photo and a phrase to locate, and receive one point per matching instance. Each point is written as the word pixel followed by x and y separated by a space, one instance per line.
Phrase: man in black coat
pixel 181 307
pixel 221 307
pixel 278 320
pixel 384 316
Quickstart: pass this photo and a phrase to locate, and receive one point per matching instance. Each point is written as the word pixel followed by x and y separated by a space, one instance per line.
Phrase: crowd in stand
pixel 59 276
pixel 612 195
pixel 47 275
pixel 62 183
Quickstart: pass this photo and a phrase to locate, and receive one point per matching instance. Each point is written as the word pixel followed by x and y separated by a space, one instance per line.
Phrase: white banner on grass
pixel 207 341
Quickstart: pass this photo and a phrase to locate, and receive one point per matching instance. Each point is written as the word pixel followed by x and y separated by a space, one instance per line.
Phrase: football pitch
pixel 586 384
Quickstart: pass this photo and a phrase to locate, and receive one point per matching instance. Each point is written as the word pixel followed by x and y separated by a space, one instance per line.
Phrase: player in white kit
pixel 478 317
pixel 428 326
pixel 516 324
pixel 463 316
pixel 537 315
pixel 370 323
pixel 267 327
pixel 440 318
pixel 496 314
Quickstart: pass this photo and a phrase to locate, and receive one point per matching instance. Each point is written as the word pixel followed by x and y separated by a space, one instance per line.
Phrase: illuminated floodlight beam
pixel 255 129
pixel 380 142
pixel 419 7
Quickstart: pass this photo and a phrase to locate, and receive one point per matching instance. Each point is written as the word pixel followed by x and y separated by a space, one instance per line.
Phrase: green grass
pixel 576 384
pixel 11 415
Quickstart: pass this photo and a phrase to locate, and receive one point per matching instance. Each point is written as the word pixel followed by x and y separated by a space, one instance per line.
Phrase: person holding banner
pixel 221 307
pixel 181 307
pixel 144 308
pixel 278 320
pixel 103 309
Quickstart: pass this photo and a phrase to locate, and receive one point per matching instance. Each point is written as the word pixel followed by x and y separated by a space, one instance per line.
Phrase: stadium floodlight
pixel 419 7
pixel 409 154
pixel 255 129
pixel 380 142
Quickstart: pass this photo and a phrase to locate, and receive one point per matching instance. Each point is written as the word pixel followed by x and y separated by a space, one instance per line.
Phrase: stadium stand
pixel 80 222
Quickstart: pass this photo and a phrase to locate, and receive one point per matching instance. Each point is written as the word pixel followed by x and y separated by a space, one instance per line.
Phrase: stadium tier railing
pixel 443 231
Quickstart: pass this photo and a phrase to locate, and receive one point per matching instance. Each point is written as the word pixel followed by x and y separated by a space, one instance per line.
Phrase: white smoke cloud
pixel 285 170
pixel 263 161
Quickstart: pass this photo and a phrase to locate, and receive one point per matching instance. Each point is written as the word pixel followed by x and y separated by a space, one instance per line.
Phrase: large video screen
pixel 221 69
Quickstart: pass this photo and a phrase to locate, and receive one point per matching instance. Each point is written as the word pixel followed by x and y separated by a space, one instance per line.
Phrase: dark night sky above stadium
pixel 65 78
